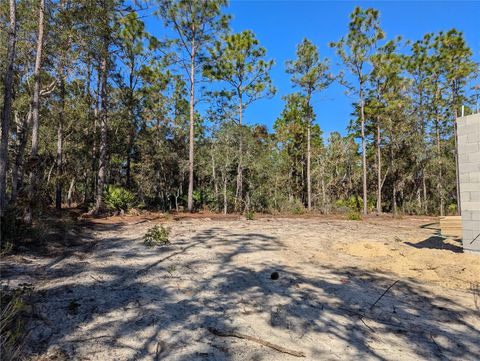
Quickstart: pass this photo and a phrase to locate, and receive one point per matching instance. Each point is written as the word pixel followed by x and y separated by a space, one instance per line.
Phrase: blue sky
pixel 281 25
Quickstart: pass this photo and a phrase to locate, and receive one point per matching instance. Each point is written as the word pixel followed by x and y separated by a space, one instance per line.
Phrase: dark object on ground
pixel 274 276
pixel 257 340
pixel 383 294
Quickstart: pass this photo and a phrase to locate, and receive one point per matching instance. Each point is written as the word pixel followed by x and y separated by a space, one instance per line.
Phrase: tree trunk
pixel 239 191
pixel 103 130
pixel 7 110
pixel 61 120
pixel 17 169
pixel 129 161
pixel 424 186
pixel 34 166
pixel 309 177
pixel 324 195
pixel 96 113
pixel 364 155
pixel 131 135
pixel 192 129
pixel 440 173
pixel 379 171
pixel 214 177
pixel 309 153
pixel 457 170
pixel 70 192
pixel 394 199
pixel 225 200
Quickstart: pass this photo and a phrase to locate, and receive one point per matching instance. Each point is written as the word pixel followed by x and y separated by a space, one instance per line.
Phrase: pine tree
pixel 311 75
pixel 238 61
pixel 355 51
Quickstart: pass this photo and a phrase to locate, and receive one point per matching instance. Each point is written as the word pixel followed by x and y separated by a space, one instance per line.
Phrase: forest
pixel 99 114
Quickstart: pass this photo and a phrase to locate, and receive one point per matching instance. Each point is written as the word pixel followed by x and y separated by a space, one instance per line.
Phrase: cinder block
pixel 475 215
pixel 461 124
pixel 472 138
pixel 463 157
pixel 474 196
pixel 473 120
pixel 471 206
pixel 469 167
pixel 467 148
pixel 473 177
pixel 464 177
pixel 469 187
pixel 471 225
pixel 473 157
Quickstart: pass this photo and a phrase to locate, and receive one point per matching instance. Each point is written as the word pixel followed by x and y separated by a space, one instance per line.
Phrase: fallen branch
pixel 383 294
pixel 257 340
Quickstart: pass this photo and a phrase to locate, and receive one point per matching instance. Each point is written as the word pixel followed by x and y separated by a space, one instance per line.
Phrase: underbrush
pixel 249 215
pixel 13 312
pixel 353 215
pixel 157 236
pixel 119 199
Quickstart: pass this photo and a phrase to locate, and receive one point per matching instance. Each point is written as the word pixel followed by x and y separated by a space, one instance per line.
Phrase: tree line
pixel 92 103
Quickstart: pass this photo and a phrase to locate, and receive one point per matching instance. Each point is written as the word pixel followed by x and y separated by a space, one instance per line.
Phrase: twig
pixel 383 294
pixel 97 279
pixel 367 326
pixel 478 235
pixel 257 340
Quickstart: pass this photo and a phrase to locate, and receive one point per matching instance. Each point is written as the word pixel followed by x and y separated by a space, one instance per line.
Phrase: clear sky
pixel 281 25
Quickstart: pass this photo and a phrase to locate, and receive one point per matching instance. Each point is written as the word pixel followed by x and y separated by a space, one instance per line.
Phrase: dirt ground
pixel 112 298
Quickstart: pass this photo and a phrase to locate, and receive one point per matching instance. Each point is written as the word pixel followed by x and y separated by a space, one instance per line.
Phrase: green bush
pixel 13 312
pixel 452 209
pixel 118 198
pixel 156 236
pixel 354 215
pixel 249 215
pixel 353 203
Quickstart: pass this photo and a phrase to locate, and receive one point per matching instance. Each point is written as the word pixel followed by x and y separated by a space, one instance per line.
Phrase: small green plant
pixel 118 198
pixel 354 216
pixel 249 215
pixel 172 268
pixel 13 314
pixel 156 236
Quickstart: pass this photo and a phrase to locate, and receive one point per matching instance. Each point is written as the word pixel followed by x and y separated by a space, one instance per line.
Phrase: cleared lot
pixel 377 289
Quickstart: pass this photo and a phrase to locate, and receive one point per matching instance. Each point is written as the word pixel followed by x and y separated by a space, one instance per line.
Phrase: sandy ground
pixel 112 298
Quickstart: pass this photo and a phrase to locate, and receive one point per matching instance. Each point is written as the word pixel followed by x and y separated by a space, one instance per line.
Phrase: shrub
pixel 156 236
pixel 249 215
pixel 118 198
pixel 452 209
pixel 12 322
pixel 353 215
pixel 353 203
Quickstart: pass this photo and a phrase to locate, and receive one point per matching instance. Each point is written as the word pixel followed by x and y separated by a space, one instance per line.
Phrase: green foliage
pixel 156 236
pixel 452 209
pixel 309 72
pixel 249 215
pixel 354 215
pixel 353 203
pixel 118 198
pixel 238 60
pixel 12 325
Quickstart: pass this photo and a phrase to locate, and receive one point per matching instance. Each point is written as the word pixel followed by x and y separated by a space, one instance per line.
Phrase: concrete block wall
pixel 469 168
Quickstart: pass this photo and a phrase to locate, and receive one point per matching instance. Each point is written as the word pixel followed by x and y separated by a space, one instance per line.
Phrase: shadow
pixel 160 304
pixel 438 242
pixel 429 226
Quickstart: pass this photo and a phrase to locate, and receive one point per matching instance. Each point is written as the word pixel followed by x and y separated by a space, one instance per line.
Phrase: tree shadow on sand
pixel 162 309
